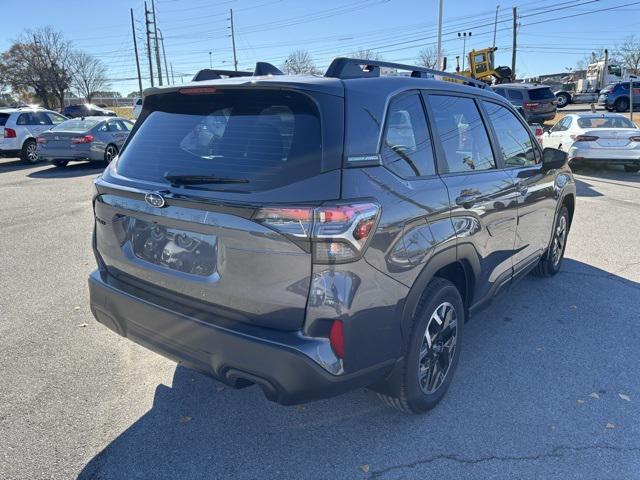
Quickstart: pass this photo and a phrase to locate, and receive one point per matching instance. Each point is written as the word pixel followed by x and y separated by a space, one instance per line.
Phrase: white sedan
pixel 597 139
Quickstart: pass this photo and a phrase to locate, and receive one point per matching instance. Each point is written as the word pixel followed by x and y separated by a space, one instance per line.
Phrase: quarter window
pixel 462 134
pixel 516 144
pixel 407 149
pixel 515 95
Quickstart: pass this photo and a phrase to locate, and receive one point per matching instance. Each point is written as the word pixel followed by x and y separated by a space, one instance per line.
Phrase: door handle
pixel 523 188
pixel 466 201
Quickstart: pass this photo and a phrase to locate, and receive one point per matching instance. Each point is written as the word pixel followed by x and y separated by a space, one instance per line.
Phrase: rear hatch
pixel 211 199
pixel 541 100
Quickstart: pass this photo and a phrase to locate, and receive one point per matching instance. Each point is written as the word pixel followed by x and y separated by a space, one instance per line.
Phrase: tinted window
pixel 515 94
pixel 77 125
pixel 537 94
pixel 3 119
pixel 605 122
pixel 501 91
pixel 562 125
pixel 516 144
pixel 268 138
pixel 24 119
pixel 115 126
pixel 462 134
pixel 126 125
pixel 406 147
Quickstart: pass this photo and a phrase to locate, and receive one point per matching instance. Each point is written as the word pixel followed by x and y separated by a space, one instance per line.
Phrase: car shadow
pixel 609 174
pixel 584 189
pixel 14 164
pixel 534 351
pixel 71 170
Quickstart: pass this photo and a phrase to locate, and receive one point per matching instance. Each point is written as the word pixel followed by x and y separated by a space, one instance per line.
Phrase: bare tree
pixel 366 54
pixel 428 57
pixel 629 54
pixel 39 62
pixel 89 75
pixel 299 63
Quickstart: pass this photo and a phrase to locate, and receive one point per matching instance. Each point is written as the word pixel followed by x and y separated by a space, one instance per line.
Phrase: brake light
pixel 529 105
pixel 635 138
pixel 339 233
pixel 336 338
pixel 197 90
pixel 84 139
pixel 584 138
pixel 9 133
pixel 41 140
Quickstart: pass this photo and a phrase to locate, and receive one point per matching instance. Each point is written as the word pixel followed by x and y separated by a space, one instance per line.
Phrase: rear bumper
pixel 89 153
pixel 539 117
pixel 608 156
pixel 281 363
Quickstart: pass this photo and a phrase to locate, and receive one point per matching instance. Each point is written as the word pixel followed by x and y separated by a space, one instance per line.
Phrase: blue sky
pixel 549 39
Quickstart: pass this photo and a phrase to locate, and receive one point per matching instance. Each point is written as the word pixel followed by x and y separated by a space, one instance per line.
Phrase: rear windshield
pixel 541 94
pixel 606 122
pixel 77 125
pixel 3 119
pixel 264 138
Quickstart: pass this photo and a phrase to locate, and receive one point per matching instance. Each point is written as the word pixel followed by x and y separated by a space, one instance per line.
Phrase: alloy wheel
pixel 109 154
pixel 438 347
pixel 559 239
pixel 31 152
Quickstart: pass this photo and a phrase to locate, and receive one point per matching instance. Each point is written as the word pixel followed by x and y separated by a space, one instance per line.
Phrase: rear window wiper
pixel 178 179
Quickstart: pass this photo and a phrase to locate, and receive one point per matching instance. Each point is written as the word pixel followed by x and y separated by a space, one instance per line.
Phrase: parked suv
pixel 19 128
pixel 312 235
pixel 616 96
pixel 538 102
pixel 87 110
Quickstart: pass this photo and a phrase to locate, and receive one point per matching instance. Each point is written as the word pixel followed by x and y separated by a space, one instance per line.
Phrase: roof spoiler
pixel 262 68
pixel 346 68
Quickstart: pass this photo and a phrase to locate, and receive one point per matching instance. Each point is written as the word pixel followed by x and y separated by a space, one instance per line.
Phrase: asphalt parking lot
pixel 548 384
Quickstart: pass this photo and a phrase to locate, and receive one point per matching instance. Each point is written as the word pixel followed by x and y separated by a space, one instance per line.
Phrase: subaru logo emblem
pixel 154 199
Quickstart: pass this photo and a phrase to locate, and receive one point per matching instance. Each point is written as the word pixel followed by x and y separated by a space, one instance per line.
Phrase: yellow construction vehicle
pixel 481 67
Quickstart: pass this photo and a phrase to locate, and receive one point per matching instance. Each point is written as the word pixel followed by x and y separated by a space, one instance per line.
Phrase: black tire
pixel 564 99
pixel 60 163
pixel 28 153
pixel 110 153
pixel 412 396
pixel 551 262
pixel 621 105
pixel 631 168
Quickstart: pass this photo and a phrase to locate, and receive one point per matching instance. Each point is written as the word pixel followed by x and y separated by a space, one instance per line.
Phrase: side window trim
pixel 383 132
pixel 499 156
pixel 443 166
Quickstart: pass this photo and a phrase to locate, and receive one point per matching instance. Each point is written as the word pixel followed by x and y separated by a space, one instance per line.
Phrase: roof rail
pixel 345 68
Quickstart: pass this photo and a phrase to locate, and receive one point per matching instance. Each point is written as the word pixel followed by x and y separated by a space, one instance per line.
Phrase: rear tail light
pixel 336 338
pixel 41 140
pixel 529 105
pixel 338 233
pixel 84 139
pixel 584 138
pixel 635 138
pixel 9 133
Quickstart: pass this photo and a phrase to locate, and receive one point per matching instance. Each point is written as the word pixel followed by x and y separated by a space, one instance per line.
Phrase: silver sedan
pixel 597 139
pixel 94 139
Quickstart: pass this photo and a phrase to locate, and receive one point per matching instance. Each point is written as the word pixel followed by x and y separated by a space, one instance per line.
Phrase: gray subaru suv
pixel 313 235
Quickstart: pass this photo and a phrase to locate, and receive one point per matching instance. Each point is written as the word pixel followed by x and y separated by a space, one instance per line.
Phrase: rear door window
pixel 406 149
pixel 516 143
pixel 515 94
pixel 264 138
pixel 462 133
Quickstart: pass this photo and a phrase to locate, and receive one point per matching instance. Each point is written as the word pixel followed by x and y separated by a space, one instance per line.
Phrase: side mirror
pixel 553 158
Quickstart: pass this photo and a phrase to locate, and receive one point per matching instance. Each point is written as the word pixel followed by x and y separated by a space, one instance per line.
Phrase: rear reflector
pixel 9 133
pixel 336 338
pixel 198 90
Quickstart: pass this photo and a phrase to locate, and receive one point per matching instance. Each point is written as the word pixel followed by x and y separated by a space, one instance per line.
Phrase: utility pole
pixel 155 34
pixel 173 80
pixel 514 47
pixel 210 60
pixel 135 49
pixel 439 44
pixel 495 26
pixel 632 79
pixel 146 22
pixel 233 42
pixel 164 55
